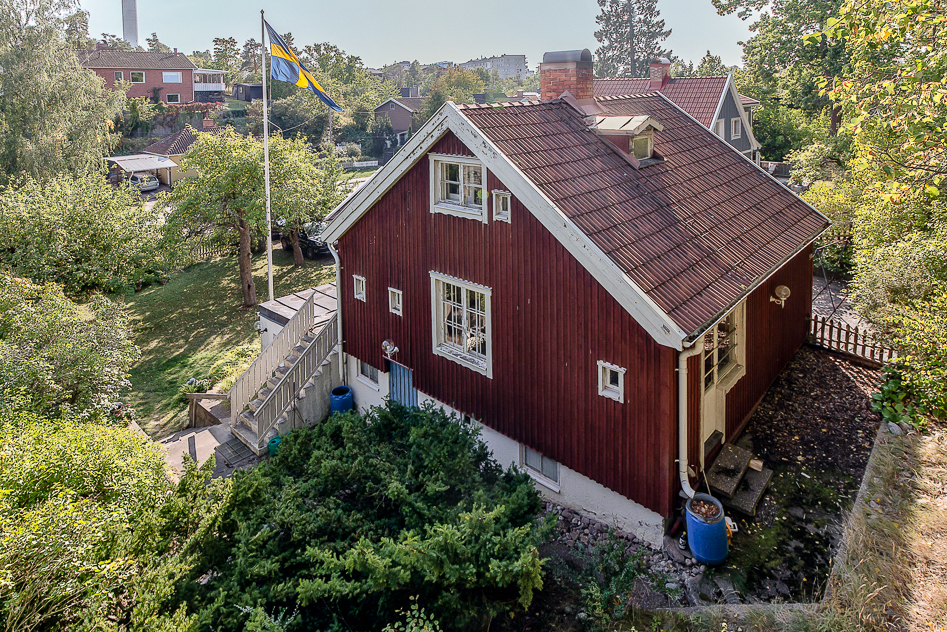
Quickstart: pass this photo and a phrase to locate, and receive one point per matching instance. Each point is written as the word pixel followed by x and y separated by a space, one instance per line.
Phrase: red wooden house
pixel 593 280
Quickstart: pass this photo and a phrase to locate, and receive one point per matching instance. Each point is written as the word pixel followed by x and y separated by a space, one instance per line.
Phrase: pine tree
pixel 630 33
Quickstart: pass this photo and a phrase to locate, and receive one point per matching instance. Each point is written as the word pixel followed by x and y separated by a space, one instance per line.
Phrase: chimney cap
pixel 662 61
pixel 567 56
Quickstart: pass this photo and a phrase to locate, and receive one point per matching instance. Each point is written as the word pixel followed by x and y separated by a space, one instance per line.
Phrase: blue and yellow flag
pixel 285 66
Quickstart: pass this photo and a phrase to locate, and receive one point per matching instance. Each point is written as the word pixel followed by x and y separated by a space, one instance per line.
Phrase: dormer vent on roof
pixel 633 136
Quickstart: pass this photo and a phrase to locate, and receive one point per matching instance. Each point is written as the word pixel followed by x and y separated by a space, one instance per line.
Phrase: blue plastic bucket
pixel 707 538
pixel 341 400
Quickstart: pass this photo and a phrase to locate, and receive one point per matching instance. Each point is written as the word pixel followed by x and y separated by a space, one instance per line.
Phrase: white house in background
pixel 208 85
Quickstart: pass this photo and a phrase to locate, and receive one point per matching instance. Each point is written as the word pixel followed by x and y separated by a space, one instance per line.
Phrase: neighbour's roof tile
pixel 134 60
pixel 178 143
pixel 698 96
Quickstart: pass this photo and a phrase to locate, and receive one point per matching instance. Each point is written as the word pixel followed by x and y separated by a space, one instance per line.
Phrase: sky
pixel 382 32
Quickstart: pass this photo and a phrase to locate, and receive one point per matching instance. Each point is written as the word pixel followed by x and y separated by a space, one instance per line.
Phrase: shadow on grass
pixel 183 327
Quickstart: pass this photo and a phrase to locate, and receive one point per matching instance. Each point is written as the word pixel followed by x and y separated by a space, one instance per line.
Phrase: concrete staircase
pixel 738 486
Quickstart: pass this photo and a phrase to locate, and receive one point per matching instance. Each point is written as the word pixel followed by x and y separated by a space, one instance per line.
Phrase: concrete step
pixel 749 492
pixel 727 471
pixel 247 419
pixel 248 438
pixel 265 392
pixel 255 404
pixel 272 382
pixel 282 369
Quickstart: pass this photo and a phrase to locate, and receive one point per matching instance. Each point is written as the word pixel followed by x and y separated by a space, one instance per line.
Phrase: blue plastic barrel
pixel 341 400
pixel 707 538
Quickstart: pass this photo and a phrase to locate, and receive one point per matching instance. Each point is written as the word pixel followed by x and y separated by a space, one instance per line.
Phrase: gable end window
pixel 391 106
pixel 359 283
pixel 174 98
pixel 541 468
pixel 394 301
pixel 736 128
pixel 611 381
pixel 457 186
pixel 119 76
pixel 460 319
pixel 501 206
pixel 137 76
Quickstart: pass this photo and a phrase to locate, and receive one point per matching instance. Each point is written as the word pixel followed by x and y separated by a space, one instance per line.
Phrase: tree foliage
pixel 457 84
pixel 630 33
pixel 358 514
pixel 712 66
pixel 54 116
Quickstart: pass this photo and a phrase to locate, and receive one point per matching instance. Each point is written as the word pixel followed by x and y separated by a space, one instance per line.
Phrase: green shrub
pixel 921 336
pixel 232 365
pixel 358 514
pixel 193 385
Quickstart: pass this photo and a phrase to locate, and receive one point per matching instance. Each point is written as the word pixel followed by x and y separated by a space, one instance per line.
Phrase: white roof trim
pixel 395 100
pixel 730 87
pixel 631 297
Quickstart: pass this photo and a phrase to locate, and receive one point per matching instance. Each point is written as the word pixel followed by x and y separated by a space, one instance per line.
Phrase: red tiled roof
pixel 745 100
pixel 693 232
pixel 178 143
pixel 698 96
pixel 134 59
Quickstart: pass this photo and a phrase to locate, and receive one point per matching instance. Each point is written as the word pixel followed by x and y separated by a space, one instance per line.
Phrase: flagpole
pixel 266 166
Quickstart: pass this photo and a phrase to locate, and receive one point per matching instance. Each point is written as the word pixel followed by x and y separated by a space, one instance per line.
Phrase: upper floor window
pixel 501 206
pixel 391 106
pixel 718 128
pixel 394 301
pixel 171 77
pixel 137 76
pixel 457 184
pixel 736 128
pixel 119 76
pixel 641 146
pixel 611 381
pixel 359 283
pixel 461 322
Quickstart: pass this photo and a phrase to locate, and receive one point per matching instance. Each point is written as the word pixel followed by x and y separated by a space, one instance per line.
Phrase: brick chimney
pixel 566 70
pixel 660 73
pixel 207 122
pixel 175 50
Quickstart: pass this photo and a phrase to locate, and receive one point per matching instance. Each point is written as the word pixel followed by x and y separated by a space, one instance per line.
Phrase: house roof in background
pixel 178 143
pixel 745 100
pixel 141 162
pixel 698 96
pixel 134 59
pixel 695 232
pixel 412 104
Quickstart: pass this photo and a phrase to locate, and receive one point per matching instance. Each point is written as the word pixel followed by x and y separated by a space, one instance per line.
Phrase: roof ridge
pixel 504 104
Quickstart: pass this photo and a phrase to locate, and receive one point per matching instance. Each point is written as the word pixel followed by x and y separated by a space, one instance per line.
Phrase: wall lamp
pixel 389 348
pixel 782 293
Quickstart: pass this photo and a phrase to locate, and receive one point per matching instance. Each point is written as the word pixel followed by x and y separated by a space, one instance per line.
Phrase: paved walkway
pixel 200 443
pixel 830 298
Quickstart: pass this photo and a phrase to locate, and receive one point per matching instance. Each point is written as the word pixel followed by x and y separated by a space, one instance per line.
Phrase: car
pixel 143 181
pixel 310 241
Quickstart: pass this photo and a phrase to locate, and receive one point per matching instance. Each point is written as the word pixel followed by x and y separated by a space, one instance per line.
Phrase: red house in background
pixel 592 280
pixel 171 74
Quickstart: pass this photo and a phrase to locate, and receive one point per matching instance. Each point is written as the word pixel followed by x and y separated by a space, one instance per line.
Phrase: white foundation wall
pixel 268 330
pixel 366 394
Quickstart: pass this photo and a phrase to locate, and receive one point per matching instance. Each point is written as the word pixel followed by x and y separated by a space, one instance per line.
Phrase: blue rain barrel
pixel 341 400
pixel 707 538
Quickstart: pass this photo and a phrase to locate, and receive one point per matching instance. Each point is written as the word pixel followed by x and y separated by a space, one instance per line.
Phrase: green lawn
pixel 183 327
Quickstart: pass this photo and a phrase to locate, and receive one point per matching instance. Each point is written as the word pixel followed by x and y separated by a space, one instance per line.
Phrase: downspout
pixel 682 416
pixel 338 309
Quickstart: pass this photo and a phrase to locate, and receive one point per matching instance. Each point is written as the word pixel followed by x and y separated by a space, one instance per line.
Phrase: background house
pixel 166 77
pixel 506 66
pixel 402 112
pixel 174 146
pixel 208 85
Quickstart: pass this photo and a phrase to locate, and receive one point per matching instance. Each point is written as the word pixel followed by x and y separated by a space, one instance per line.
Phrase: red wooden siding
pixel 773 335
pixel 694 393
pixel 551 323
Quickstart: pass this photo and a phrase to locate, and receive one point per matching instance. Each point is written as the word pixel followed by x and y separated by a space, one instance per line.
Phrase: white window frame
pixel 631 145
pixel 499 216
pixel 363 374
pixel 168 98
pixel 537 475
pixel 736 369
pixel 395 301
pixel 456 209
pixel 474 362
pixel 176 77
pixel 605 388
pixel 119 76
pixel 391 106
pixel 736 128
pixel 359 286
pixel 131 76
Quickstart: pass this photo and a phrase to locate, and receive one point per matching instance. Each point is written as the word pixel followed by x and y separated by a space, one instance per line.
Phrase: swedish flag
pixel 285 66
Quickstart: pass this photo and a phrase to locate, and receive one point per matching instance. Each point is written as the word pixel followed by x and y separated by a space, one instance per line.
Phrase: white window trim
pixel 605 390
pixel 539 477
pixel 736 128
pixel 451 355
pixel 399 310
pixel 361 379
pixel 179 74
pixel 355 281
pixel 119 75
pixel 497 217
pixel 456 209
pixel 168 98
pixel 131 76
pixel 737 369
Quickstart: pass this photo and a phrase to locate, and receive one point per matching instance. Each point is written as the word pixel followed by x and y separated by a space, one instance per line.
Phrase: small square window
pixel 611 381
pixel 359 283
pixel 367 371
pixel 174 98
pixel 394 301
pixel 545 467
pixel 119 76
pixel 137 77
pixel 501 206
pixel 641 146
pixel 736 128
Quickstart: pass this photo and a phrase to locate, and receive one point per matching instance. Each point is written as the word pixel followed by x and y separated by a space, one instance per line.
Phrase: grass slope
pixel 183 327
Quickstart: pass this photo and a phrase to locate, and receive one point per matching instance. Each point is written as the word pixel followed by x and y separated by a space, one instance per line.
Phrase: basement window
pixel 174 98
pixel 137 77
pixel 359 284
pixel 501 206
pixel 394 301
pixel 611 381
pixel 367 372
pixel 541 468
pixel 457 186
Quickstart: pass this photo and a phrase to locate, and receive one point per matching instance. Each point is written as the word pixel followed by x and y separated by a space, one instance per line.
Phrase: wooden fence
pixel 776 169
pixel 842 337
pixel 210 249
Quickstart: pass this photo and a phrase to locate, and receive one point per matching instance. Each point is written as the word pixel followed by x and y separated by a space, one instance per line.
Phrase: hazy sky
pixel 446 30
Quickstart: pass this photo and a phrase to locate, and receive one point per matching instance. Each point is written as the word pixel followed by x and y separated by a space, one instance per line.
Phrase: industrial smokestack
pixel 130 21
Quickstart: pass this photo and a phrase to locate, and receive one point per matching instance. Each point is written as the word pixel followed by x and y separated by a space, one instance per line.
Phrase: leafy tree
pixel 358 514
pixel 226 57
pixel 77 31
pixel 80 232
pixel 681 67
pixel 114 42
pixel 250 55
pixel 155 45
pixel 712 66
pixel 53 114
pixel 457 84
pixel 630 33
pixel 202 58
pixel 300 114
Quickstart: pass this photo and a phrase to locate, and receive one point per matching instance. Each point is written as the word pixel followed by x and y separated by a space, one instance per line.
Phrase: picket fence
pixel 842 337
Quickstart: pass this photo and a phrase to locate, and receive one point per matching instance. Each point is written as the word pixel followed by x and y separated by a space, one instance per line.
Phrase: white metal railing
pixel 262 368
pixel 209 87
pixel 286 391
